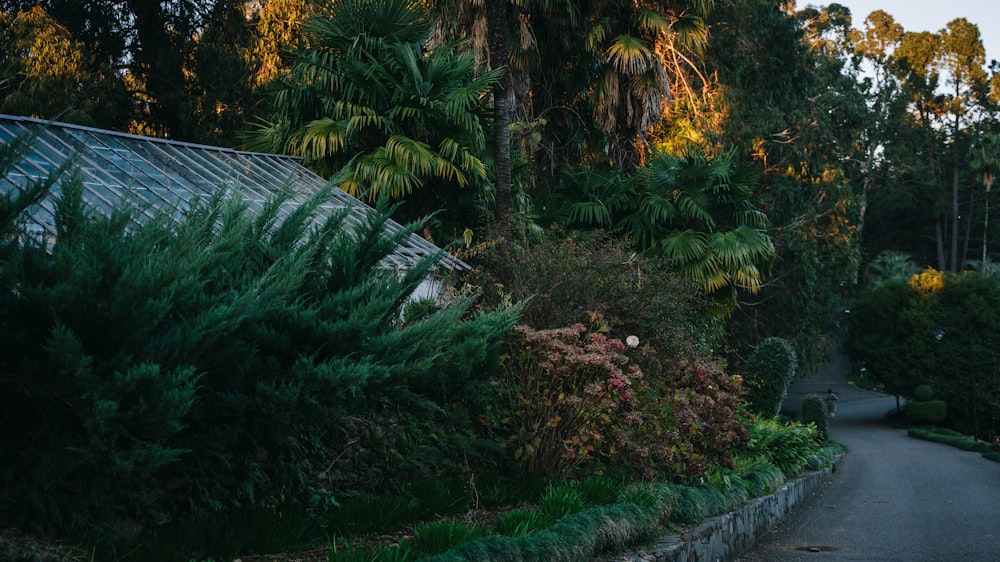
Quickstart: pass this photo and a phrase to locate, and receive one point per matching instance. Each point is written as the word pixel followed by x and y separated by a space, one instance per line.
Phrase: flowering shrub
pixel 574 400
pixel 704 418
pixel 570 396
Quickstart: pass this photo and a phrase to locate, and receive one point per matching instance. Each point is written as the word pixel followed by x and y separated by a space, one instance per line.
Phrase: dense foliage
pixel 736 149
pixel 568 277
pixel 935 329
pixel 222 359
pixel 370 103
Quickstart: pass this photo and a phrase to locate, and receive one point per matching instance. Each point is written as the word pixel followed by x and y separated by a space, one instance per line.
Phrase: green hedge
pixel 930 412
pixel 960 441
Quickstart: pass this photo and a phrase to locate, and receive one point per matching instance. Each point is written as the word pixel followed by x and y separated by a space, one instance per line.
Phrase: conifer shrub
pixel 767 374
pixel 814 412
pixel 218 359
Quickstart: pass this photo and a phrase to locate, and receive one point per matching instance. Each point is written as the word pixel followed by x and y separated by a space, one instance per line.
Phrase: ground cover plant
pixel 953 438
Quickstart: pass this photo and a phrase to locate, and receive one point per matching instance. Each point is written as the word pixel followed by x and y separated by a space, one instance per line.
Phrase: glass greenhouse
pixel 153 174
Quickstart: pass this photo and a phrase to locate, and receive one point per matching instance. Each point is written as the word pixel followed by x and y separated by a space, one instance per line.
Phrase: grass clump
pixel 521 522
pixel 439 536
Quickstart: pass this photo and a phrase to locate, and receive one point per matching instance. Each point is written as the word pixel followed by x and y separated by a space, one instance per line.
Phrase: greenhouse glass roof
pixel 154 174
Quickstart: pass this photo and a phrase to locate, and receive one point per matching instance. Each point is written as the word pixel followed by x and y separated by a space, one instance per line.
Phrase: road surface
pixel 893 498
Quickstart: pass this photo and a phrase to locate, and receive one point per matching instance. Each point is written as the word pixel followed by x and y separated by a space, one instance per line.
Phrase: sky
pixel 930 15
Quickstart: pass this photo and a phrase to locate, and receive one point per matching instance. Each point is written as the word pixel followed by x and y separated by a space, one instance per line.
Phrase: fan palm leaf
pixel 630 55
pixel 685 246
pixel 652 21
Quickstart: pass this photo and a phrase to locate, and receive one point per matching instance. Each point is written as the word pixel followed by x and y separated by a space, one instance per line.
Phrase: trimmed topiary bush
pixel 767 374
pixel 923 409
pixel 814 412
pixel 930 412
pixel 923 393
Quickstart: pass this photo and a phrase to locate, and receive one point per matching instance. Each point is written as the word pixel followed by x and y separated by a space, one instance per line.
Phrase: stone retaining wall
pixel 725 537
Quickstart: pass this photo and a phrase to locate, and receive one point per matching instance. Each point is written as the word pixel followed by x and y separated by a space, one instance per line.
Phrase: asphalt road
pixel 893 498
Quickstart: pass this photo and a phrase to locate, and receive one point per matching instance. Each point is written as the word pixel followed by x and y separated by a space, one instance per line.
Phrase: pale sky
pixel 930 15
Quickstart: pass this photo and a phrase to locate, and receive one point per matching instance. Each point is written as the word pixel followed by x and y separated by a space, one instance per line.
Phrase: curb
pixel 725 537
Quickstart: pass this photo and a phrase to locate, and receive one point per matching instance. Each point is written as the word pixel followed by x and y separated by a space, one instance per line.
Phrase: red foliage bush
pixel 574 401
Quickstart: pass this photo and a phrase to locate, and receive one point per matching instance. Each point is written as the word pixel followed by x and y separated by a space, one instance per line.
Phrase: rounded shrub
pixel 814 412
pixel 923 393
pixel 767 374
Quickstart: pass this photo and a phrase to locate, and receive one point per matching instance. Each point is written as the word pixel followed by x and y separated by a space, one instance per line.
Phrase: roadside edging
pixel 725 537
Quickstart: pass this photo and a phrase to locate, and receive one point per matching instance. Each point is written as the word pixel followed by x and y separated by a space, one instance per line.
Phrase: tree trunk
pixel 939 228
pixel 986 221
pixel 968 233
pixel 954 217
pixel 497 21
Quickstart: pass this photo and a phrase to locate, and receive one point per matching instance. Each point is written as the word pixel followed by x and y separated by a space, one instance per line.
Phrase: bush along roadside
pixel 580 529
pixel 956 439
pixel 573 520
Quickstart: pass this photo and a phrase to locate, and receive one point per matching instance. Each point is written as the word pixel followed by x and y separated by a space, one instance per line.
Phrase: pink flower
pixel 617 383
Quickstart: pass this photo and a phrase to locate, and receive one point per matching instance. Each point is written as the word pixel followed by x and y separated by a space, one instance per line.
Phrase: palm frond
pixel 629 54
pixel 684 246
pixel 322 137
pixel 694 206
pixel 411 154
pixel 659 209
pixel 596 35
pixel 377 173
pixel 690 32
pixel 651 21
pixel 590 213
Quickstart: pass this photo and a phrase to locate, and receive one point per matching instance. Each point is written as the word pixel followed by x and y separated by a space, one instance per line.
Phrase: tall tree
pixel 962 58
pixel 186 69
pixel 47 72
pixel 789 107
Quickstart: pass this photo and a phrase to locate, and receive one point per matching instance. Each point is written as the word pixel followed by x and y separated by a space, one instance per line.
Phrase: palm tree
pixel 369 104
pixel 703 221
pixel 646 54
pixel 891 265
pixel 696 211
